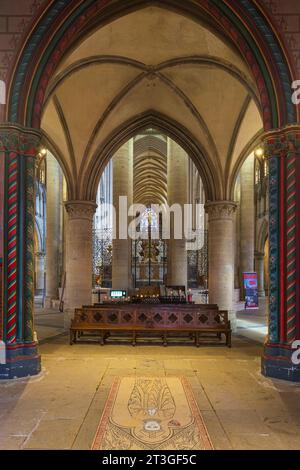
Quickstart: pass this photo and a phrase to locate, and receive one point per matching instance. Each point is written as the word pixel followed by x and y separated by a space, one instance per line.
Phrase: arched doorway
pixel 143 170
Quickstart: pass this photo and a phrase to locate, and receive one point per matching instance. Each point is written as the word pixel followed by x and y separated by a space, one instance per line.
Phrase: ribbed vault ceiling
pixel 150 168
pixel 151 60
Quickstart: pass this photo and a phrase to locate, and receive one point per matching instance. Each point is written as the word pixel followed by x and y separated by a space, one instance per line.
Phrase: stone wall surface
pixel 16 18
pixel 285 15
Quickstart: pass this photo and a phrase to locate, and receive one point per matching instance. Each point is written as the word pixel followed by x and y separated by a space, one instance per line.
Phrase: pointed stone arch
pixel 177 132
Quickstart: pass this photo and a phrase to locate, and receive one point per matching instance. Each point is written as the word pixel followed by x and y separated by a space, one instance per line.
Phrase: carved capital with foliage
pixel 21 140
pixel 81 209
pixel 283 142
pixel 218 210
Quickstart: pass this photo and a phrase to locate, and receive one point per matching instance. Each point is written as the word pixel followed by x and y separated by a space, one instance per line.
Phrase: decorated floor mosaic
pixel 147 413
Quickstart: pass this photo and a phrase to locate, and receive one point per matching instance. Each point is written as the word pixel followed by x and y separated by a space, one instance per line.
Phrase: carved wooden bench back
pixel 152 317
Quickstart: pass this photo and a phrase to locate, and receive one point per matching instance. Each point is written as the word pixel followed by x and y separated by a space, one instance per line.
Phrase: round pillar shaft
pixel 122 186
pixel 53 228
pixel 221 238
pixel 19 147
pixel 39 272
pixel 247 216
pixel 177 194
pixel 79 253
pixel 260 269
pixel 283 152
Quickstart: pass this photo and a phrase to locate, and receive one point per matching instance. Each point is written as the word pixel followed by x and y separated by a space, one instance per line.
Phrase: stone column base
pixel 22 360
pixel 277 363
pixel 68 316
pixel 261 293
pixel 233 320
pixel 51 303
pixel 236 295
pixel 47 302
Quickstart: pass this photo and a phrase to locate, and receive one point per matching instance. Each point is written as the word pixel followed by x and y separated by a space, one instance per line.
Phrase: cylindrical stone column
pixel 177 194
pixel 79 254
pixel 280 359
pixel 29 220
pixel 122 186
pixel 53 228
pixel 40 272
pixel 19 146
pixel 221 239
pixel 260 269
pixel 247 216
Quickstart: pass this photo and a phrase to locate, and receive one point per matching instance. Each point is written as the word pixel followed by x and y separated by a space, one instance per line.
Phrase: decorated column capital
pixel 80 209
pixel 282 148
pixel 18 139
pixel 218 210
pixel 20 147
pixel 281 142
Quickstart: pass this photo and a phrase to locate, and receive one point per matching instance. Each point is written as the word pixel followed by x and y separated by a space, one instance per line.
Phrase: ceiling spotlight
pixel 259 152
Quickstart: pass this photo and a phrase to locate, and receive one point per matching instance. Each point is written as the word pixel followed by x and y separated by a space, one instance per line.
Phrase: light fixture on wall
pixel 42 152
pixel 259 152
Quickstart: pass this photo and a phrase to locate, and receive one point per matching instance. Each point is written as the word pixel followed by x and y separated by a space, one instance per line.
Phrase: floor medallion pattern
pixel 148 413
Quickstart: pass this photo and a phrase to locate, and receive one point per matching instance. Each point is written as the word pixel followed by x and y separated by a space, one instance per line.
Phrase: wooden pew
pixel 162 320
